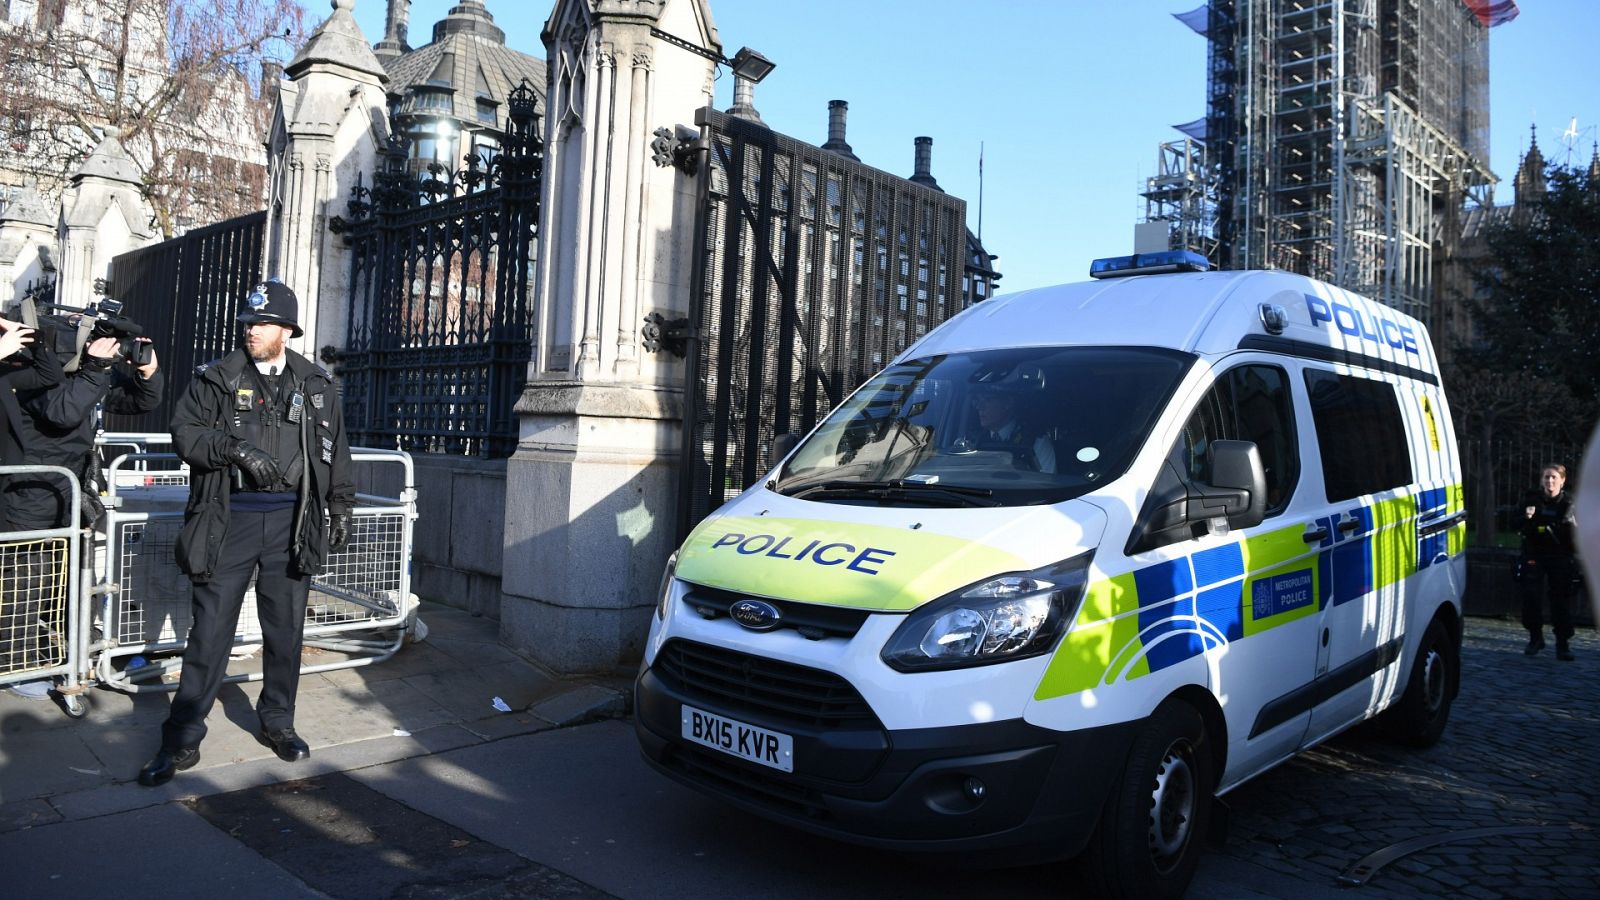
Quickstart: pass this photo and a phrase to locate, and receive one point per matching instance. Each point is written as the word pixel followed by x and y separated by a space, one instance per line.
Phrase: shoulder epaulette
pixel 201 369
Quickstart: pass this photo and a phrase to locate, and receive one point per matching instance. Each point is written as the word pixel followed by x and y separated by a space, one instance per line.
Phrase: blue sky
pixel 1068 98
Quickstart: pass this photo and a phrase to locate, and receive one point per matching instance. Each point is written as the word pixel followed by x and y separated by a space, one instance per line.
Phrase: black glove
pixel 338 532
pixel 256 463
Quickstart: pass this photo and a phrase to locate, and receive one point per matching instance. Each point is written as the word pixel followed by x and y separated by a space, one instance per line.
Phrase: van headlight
pixel 1007 617
pixel 664 595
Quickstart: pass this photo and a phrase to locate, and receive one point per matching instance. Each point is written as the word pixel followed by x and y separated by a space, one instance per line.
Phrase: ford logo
pixel 756 615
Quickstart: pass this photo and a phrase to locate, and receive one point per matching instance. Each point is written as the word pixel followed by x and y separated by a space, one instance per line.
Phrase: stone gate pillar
pixel 330 118
pixel 103 214
pixel 591 490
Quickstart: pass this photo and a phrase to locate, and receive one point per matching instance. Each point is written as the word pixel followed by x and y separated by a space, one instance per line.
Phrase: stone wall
pixel 458 538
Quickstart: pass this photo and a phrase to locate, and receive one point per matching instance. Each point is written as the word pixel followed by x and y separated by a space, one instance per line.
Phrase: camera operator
pixel 23 367
pixel 58 422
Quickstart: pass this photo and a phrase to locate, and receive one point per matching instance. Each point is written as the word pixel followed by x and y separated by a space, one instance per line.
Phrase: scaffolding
pixel 1343 140
pixel 1182 195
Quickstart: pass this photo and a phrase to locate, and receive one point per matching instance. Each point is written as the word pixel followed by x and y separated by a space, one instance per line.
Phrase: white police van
pixel 1075 563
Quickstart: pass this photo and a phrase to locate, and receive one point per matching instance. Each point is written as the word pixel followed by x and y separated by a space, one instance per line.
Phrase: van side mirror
pixel 1238 488
pixel 783 445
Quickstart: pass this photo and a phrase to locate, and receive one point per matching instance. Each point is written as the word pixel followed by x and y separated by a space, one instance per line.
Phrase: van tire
pixel 1419 718
pixel 1150 834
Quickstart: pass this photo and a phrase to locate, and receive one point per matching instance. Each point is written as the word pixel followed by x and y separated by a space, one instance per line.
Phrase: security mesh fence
pixel 34 583
pixel 812 272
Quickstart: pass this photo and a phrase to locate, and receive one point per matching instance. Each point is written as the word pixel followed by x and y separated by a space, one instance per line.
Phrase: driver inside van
pixel 999 427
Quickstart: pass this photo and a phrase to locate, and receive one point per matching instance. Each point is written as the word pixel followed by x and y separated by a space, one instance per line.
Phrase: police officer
pixel 1547 562
pixel 262 433
pixel 999 428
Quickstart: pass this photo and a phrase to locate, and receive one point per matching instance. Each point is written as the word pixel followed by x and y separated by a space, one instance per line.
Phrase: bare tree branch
pixel 178 82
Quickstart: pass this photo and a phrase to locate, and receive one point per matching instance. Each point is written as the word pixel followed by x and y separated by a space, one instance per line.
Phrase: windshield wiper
pixel 897 488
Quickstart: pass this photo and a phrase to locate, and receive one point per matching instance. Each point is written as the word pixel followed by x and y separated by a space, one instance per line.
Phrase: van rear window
pixel 1360 433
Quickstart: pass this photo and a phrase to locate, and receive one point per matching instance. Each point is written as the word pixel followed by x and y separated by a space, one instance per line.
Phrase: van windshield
pixel 1006 427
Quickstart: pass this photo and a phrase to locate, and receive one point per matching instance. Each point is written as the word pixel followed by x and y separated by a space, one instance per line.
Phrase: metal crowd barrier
pixel 44 622
pixel 113 445
pixel 359 606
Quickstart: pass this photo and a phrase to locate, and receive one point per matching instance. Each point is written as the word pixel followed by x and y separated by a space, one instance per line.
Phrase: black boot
pixel 166 764
pixel 1563 652
pixel 289 746
pixel 1535 644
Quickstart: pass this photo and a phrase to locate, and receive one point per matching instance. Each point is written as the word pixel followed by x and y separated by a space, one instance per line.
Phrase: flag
pixel 1493 12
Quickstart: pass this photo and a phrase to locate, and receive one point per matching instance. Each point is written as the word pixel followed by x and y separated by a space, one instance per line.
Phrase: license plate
pixel 758 745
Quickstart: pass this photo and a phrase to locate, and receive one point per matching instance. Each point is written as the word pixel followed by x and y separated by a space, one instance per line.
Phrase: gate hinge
pixel 659 332
pixel 679 146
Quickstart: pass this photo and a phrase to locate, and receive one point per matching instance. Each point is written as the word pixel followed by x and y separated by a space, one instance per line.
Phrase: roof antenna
pixel 980 193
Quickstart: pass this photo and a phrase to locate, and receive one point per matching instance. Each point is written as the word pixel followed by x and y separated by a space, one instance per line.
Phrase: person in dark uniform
pixel 999 428
pixel 262 432
pixel 1546 564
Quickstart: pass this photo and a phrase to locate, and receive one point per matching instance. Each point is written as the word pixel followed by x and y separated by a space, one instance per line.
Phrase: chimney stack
pixel 744 100
pixel 836 142
pixel 396 25
pixel 923 173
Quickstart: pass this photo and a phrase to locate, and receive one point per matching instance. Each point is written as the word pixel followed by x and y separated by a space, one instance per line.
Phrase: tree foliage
pixel 1536 318
pixel 177 81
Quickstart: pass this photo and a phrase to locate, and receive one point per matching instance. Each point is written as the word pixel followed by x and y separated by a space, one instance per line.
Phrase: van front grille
pixel 741 682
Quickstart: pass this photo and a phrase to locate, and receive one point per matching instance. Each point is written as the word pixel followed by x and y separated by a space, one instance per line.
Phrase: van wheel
pixel 1149 837
pixel 1419 718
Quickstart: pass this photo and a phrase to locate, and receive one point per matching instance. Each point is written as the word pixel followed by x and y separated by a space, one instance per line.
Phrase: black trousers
pixel 1557 574
pixel 256 544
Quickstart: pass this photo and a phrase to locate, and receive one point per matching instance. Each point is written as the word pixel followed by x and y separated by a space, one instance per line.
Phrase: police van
pixel 1076 563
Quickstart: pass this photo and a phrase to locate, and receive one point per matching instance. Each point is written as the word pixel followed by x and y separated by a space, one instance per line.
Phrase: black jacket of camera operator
pixel 58 427
pixel 26 371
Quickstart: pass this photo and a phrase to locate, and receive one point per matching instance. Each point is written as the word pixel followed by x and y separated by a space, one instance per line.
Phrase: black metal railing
pixel 186 293
pixel 812 271
pixel 1498 477
pixel 440 328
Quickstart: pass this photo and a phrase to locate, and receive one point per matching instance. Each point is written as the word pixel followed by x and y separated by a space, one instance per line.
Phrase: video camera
pixel 108 322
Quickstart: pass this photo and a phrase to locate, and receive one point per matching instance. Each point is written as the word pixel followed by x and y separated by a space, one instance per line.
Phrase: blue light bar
pixel 1148 264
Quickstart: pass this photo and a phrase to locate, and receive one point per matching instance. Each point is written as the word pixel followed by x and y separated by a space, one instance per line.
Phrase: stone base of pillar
pixel 573 640
pixel 591 499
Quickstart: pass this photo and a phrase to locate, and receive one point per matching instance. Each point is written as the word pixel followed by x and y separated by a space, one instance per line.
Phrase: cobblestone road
pixel 1522 749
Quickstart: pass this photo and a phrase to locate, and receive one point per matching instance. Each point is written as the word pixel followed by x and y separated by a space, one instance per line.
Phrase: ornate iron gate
pixel 440 327
pixel 812 272
pixel 186 293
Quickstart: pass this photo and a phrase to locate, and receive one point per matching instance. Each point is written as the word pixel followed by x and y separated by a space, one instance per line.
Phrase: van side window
pixel 1248 403
pixel 1360 433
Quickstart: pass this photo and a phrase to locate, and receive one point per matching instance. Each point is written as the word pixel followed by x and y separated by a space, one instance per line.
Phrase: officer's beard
pixel 268 348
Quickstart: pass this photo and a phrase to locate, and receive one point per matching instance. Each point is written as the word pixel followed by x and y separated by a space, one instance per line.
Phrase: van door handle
pixel 1314 535
pixel 1349 525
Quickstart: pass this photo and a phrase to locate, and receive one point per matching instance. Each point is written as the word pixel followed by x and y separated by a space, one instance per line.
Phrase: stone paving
pixel 1522 749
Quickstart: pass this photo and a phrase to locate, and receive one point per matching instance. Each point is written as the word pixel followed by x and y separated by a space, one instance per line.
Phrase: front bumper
pixel 904 789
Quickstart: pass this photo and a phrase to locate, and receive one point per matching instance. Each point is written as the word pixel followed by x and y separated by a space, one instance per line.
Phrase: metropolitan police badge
pixel 257 300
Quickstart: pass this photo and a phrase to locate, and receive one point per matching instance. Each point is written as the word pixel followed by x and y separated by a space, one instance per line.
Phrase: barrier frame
pixel 391 625
pixel 69 675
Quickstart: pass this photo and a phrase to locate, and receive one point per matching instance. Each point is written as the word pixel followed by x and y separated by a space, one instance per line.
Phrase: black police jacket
pixel 203 431
pixel 1547 534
